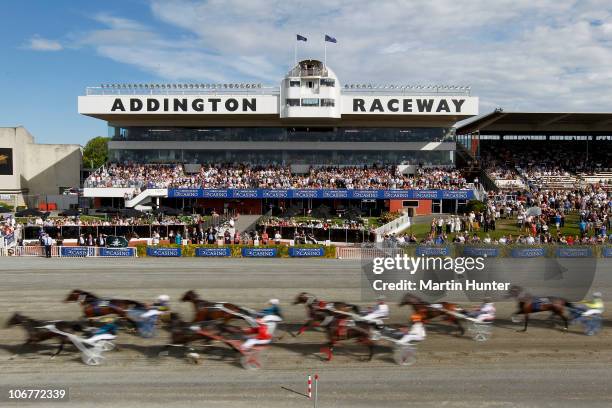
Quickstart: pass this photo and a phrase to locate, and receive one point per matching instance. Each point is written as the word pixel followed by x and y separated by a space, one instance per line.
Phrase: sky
pixel 545 55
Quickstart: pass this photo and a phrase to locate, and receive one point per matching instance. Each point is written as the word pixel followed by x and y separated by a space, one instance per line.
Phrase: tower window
pixel 310 102
pixel 293 102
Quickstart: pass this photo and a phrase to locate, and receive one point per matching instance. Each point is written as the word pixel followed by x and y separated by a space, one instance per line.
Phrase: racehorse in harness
pixel 528 304
pixel 343 328
pixel 429 311
pixel 320 312
pixel 37 333
pixel 181 332
pixel 94 306
pixel 206 310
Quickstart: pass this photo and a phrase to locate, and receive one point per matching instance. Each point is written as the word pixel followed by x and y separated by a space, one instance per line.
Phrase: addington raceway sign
pixel 269 104
pixel 178 104
pixel 409 105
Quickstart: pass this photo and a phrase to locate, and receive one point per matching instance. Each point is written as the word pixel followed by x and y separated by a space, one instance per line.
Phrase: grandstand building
pixel 310 120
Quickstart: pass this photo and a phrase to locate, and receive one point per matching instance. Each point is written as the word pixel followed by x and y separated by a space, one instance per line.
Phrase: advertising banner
pixel 432 251
pixel 213 252
pixel 323 193
pixel 306 252
pixel 574 252
pixel 259 252
pixel 163 252
pixel 77 251
pixel 117 252
pixel 480 251
pixel 528 252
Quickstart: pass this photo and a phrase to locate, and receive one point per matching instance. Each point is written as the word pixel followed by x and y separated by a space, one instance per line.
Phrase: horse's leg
pixel 370 350
pixel 460 327
pixel 60 348
pixel 304 327
pixel 330 350
pixel 526 322
pixel 565 321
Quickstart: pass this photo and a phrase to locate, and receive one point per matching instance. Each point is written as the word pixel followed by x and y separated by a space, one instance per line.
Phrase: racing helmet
pixel 163 298
pixel 416 318
pixel 274 302
pixel 597 294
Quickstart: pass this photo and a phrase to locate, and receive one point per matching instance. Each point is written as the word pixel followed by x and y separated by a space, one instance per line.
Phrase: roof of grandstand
pixel 501 122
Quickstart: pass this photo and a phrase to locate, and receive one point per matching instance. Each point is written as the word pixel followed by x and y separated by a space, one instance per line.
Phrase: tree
pixel 95 153
pixel 476 206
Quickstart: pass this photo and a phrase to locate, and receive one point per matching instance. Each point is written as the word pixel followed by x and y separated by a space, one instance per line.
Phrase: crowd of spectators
pixel 243 176
pixel 313 223
pixel 8 229
pixel 536 163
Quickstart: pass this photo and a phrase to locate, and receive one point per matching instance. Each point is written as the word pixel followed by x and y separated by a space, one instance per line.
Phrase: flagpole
pixel 325 53
pixel 295 52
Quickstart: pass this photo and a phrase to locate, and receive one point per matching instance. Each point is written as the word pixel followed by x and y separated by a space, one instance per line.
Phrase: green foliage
pixel 95 153
pixel 282 250
pixel 387 217
pixel 476 206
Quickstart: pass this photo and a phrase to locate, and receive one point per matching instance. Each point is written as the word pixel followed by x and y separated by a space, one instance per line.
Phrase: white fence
pixel 69 252
pixel 397 225
pixel 366 252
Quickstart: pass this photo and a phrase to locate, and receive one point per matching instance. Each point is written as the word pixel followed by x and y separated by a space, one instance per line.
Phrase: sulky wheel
pixel 516 318
pixel 105 345
pixel 480 332
pixel 404 355
pixel 92 359
pixel 251 360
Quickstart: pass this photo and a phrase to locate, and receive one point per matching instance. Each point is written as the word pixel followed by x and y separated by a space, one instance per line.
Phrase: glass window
pixel 328 82
pixel 294 84
pixel 327 102
pixel 310 101
pixel 293 102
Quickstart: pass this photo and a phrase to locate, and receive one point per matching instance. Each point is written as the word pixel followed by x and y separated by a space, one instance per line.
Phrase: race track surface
pixel 543 367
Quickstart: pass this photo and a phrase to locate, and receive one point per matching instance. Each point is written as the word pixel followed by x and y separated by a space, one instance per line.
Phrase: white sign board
pixel 409 105
pixel 178 104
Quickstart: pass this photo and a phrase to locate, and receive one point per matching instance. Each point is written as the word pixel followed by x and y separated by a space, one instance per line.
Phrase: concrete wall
pixel 39 169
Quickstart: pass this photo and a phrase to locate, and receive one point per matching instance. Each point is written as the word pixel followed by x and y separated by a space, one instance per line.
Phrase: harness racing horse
pixel 320 313
pixel 182 333
pixel 528 304
pixel 37 333
pixel 427 312
pixel 340 329
pixel 207 311
pixel 94 306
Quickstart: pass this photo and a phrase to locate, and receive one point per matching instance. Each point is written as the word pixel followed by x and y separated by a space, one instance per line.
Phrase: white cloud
pixel 43 44
pixel 518 54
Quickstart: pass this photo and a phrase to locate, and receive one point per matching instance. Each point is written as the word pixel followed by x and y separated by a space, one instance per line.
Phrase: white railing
pixel 199 89
pixel 34 250
pixel 366 252
pixel 397 225
pixel 149 192
pixel 39 251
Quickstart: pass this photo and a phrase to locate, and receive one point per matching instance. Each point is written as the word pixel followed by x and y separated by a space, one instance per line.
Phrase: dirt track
pixel 543 367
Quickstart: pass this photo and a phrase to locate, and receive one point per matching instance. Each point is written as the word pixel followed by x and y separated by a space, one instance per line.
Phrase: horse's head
pixel 302 297
pixel 78 295
pixel 190 296
pixel 410 299
pixel 16 318
pixel 514 291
